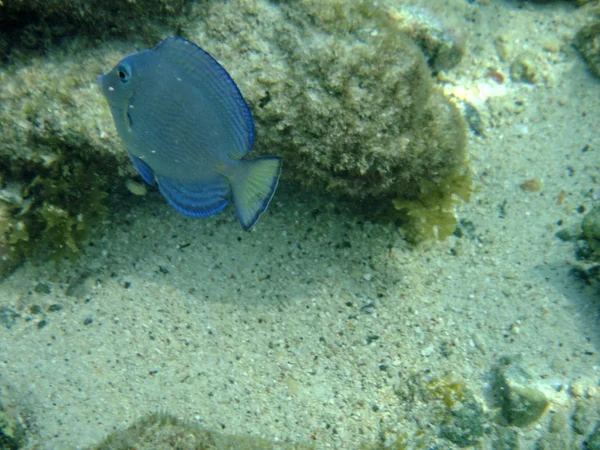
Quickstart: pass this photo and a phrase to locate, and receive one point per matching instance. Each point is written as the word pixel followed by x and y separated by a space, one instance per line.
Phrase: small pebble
pixel 8 317
pixel 523 68
pixel 552 46
pixel 136 188
pixel 42 288
pixel 576 390
pixel 427 351
pixel 558 422
pixel 473 119
pixel 503 47
pixel 479 343
pixel 35 309
pixel 79 286
pixel 532 185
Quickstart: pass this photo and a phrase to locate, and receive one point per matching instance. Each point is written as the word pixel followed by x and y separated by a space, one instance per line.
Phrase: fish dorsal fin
pixel 205 71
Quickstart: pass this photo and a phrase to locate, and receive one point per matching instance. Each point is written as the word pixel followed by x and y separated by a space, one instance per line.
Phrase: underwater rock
pixel 589 272
pixel 577 2
pixel 381 129
pixel 587 41
pixel 12 434
pixel 523 68
pixel 57 162
pixel 38 24
pixel 591 232
pixel 522 402
pixel 347 99
pixel 585 417
pixel 588 248
pixel 450 410
pixel 593 440
pixel 162 430
pixel 464 424
pixel 505 438
pixel 335 88
pixel 435 29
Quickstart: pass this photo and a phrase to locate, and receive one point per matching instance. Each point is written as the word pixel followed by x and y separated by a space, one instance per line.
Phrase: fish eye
pixel 123 73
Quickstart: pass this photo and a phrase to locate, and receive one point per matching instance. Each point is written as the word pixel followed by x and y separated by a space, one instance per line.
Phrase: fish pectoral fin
pixel 253 187
pixel 142 168
pixel 196 200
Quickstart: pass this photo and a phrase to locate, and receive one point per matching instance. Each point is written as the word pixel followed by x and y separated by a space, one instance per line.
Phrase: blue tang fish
pixel 187 128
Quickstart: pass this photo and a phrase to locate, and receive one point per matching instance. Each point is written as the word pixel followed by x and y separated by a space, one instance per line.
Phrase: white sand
pixel 266 332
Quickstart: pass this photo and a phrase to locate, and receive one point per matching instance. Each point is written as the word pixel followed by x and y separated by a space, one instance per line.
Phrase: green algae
pixel 431 216
pixel 587 237
pixel 447 406
pixel 447 390
pixel 56 165
pixel 587 41
pixel 61 202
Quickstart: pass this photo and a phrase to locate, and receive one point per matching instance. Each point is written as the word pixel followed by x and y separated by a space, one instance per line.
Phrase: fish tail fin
pixel 253 186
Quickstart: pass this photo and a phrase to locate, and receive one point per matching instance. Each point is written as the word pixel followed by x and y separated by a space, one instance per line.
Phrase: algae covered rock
pixel 37 24
pixel 347 99
pixel 587 41
pixel 448 406
pixel 162 431
pixel 588 247
pixel 57 162
pixel 591 232
pixel 12 433
pixel 522 402
pixel 434 27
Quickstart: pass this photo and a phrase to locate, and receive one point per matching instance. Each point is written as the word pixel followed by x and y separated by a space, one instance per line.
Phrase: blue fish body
pixel 187 128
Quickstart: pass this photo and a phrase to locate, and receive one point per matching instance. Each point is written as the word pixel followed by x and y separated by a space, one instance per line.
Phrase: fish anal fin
pixel 193 199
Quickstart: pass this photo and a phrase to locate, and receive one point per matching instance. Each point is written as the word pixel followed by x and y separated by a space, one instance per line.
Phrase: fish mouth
pixel 106 89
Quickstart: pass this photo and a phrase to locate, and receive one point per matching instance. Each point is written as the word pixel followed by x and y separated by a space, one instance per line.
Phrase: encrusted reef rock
pixel 591 232
pixel 56 162
pixel 587 41
pixel 347 99
pixel 588 251
pixel 37 24
pixel 522 402
pixel 161 430
pixel 335 87
pixel 435 28
pixel 12 433
pixel 453 414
